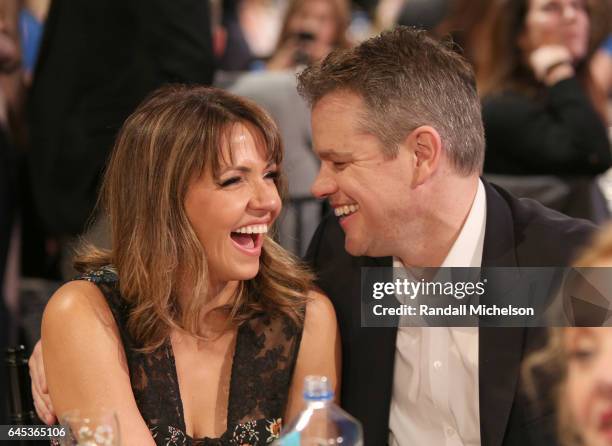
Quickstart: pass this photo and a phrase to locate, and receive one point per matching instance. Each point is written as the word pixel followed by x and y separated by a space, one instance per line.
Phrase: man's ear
pixel 426 144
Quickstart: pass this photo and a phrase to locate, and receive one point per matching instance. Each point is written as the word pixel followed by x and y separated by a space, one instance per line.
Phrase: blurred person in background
pixel 543 113
pixel 424 14
pixel 602 69
pixel 232 51
pixel 311 29
pixel 579 360
pixel 11 142
pixel 97 61
pixel 31 24
pixel 11 90
pixel 601 64
pixel 463 22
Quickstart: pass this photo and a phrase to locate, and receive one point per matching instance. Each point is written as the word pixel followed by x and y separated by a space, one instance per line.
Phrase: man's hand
pixel 40 392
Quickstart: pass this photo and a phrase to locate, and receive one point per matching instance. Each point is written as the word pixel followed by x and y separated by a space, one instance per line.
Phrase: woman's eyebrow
pixel 243 169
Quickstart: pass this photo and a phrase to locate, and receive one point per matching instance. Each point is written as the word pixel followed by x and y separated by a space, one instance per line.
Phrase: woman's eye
pixel 230 181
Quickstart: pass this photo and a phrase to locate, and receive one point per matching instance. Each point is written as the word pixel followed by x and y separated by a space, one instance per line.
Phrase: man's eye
pixel 339 164
pixel 230 181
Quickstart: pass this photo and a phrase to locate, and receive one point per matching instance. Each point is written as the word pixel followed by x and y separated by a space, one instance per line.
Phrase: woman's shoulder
pixel 78 301
pixel 319 307
pixel 320 318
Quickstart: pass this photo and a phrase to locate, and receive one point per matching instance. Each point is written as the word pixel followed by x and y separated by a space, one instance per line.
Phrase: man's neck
pixel 441 226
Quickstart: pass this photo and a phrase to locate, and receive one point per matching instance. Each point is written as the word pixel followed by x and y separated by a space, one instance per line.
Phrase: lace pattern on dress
pixel 264 359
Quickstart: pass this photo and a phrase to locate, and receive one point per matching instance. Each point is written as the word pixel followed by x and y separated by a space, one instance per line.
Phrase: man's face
pixel 369 192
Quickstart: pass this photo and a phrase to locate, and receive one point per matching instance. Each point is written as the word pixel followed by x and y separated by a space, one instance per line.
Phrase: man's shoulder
pixel 541 236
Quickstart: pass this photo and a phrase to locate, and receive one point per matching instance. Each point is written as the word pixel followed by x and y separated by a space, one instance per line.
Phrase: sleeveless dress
pixel 261 371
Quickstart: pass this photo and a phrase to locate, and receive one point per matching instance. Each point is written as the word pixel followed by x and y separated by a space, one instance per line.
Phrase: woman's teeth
pixel 252 229
pixel 346 210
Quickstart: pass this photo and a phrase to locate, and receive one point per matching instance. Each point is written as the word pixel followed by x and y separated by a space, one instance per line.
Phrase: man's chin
pixel 354 247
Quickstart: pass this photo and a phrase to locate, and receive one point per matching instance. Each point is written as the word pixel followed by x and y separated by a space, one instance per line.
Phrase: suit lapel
pixel 374 361
pixel 500 349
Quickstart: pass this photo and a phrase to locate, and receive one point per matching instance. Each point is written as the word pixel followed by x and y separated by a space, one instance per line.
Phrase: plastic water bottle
pixel 321 423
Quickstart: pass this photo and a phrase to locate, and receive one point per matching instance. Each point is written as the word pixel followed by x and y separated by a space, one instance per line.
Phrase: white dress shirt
pixel 435 381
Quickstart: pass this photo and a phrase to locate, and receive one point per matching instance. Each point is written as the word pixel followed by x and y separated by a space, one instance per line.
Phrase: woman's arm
pixel 319 351
pixel 84 359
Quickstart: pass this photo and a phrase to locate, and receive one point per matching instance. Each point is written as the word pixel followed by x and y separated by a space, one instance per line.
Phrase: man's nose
pixel 324 184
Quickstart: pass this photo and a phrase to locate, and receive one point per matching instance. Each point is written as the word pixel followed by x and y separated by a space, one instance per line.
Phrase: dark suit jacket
pixel 98 60
pixel 518 233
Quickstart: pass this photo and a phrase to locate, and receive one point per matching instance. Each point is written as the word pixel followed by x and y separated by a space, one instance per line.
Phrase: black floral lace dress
pixel 263 362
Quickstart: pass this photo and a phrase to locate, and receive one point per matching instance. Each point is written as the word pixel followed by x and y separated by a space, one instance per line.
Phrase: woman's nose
pixel 265 197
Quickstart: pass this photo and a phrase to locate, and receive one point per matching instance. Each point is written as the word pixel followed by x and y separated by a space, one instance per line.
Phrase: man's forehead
pixel 341 99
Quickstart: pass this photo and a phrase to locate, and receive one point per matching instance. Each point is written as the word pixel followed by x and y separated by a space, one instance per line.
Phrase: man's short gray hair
pixel 407 80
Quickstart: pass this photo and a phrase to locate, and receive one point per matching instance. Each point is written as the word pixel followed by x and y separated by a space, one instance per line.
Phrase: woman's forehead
pixel 243 140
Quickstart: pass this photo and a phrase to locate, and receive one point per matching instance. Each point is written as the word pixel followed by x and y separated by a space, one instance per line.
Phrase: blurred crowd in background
pixel 72 71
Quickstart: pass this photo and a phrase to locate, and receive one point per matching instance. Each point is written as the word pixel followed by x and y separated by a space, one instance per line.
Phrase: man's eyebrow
pixel 330 153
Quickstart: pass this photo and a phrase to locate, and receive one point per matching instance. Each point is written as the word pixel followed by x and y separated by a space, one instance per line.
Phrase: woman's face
pixel 232 213
pixel 557 22
pixel 316 17
pixel 588 389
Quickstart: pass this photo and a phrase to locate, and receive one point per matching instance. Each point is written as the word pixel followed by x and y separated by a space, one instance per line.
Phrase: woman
pixel 543 113
pixel 579 361
pixel 196 326
pixel 311 29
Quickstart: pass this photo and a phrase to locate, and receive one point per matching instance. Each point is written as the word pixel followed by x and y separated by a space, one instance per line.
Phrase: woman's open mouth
pixel 249 239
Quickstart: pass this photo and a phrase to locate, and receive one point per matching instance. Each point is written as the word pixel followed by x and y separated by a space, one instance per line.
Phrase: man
pixel 396 122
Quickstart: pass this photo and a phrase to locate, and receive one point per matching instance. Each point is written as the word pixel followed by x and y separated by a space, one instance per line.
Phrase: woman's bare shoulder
pixel 80 301
pixel 319 308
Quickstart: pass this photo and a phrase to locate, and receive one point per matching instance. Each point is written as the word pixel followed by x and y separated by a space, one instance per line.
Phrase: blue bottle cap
pixel 317 388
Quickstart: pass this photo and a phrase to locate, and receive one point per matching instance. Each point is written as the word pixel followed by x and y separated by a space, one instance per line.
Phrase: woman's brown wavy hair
pixel 175 134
